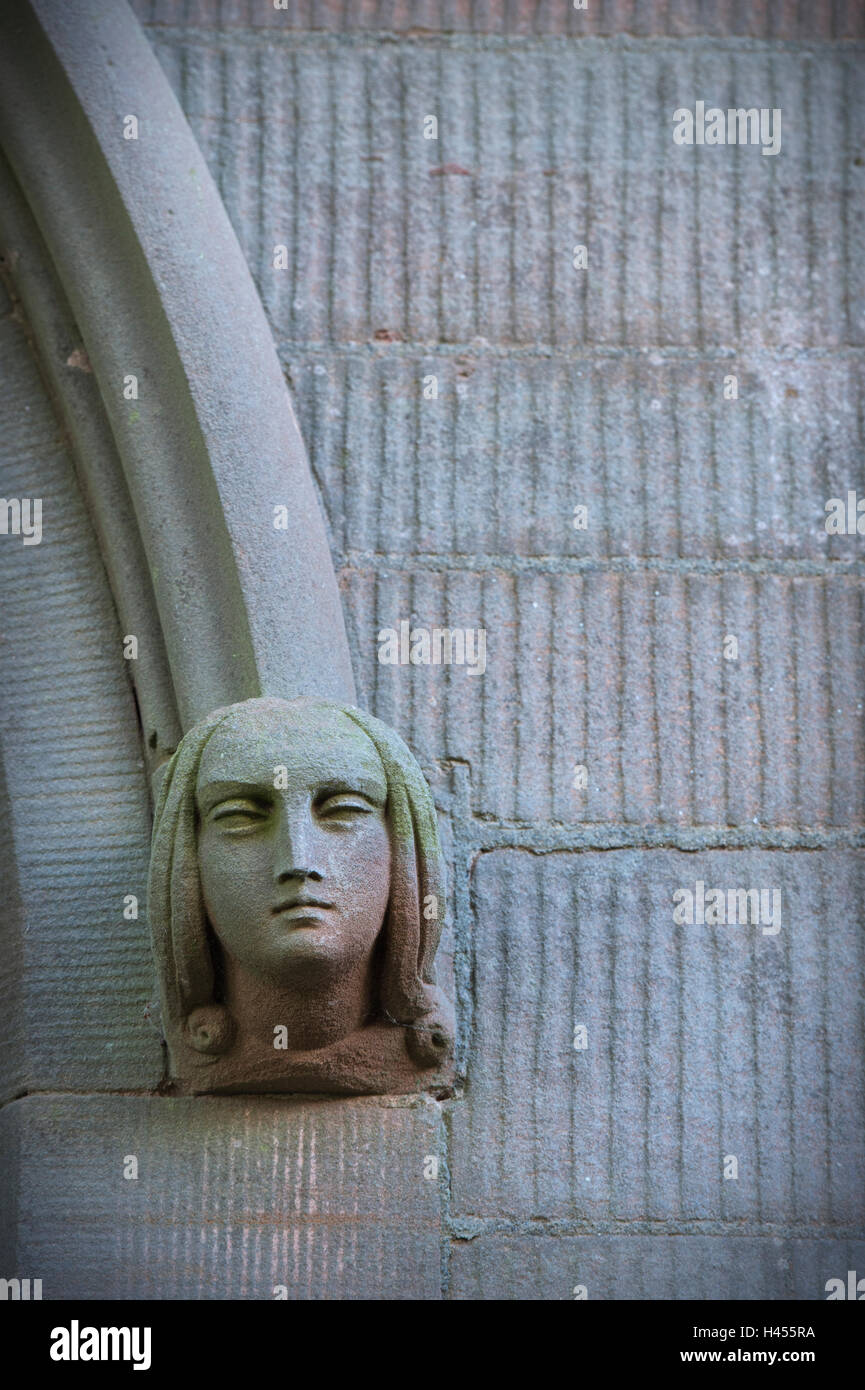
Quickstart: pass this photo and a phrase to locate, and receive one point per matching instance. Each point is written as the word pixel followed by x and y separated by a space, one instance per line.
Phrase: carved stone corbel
pixel 295 898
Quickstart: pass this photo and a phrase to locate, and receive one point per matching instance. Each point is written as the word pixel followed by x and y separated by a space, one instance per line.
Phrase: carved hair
pixel 181 936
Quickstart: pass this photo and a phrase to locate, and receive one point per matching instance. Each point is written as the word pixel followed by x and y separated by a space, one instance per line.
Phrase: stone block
pixel 488 473
pixel 234 1199
pixel 651 1267
pixel 702 1042
pixel 771 19
pixel 541 146
pixel 79 972
pixel 626 675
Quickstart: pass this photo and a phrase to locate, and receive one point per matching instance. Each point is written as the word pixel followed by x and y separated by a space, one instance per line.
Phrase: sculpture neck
pixel 312 1017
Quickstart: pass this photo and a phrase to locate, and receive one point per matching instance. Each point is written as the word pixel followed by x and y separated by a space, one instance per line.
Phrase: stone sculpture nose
pixel 295 853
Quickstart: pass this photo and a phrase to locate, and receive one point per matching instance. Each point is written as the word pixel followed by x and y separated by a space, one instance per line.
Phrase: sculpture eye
pixel 345 805
pixel 238 813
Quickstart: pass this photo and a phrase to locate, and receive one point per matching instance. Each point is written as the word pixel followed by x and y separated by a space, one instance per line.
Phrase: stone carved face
pixel 295 877
pixel 295 887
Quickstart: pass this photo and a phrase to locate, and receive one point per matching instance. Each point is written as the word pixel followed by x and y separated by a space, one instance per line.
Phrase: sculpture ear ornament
pixel 430 1043
pixel 407 1042
pixel 210 1029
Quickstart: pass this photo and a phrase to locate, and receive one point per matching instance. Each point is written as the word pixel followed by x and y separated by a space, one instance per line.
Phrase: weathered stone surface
pixel 625 674
pixel 488 474
pixel 649 1267
pixel 81 975
pixel 233 1198
pixel 542 146
pixel 702 1042
pixel 769 19
pixel 560 387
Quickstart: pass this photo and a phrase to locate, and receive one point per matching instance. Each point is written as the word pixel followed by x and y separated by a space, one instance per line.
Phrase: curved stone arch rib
pixel 159 288
pixel 56 342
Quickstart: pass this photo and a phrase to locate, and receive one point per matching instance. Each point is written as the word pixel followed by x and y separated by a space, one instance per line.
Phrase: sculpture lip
pixel 302 901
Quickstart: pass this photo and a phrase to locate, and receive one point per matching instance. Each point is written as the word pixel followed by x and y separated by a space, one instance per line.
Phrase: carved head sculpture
pixel 294 899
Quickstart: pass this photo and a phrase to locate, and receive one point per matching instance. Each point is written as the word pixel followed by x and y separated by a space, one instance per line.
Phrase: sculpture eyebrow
pixel 214 792
pixel 358 786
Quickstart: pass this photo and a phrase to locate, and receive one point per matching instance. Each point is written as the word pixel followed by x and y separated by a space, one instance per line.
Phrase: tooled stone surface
pixel 294 901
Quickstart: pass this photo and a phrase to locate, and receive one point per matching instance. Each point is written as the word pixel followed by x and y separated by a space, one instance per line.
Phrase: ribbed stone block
pixel 78 972
pixel 702 1042
pixel 318 146
pixel 250 1199
pixel 490 470
pixel 626 675
pixel 651 1267
pixel 771 19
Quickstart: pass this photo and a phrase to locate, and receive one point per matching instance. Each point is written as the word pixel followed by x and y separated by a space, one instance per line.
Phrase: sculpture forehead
pixel 312 743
